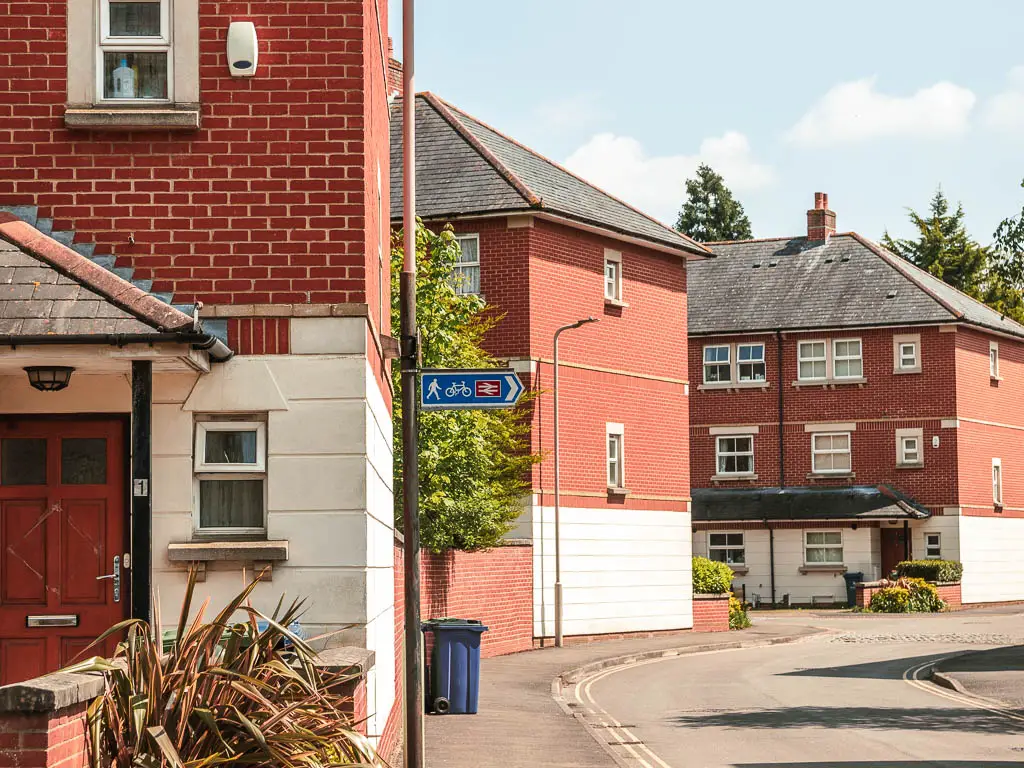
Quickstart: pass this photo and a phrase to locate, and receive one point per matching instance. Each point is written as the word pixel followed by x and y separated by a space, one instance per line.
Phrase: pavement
pixel 996 673
pixel 520 725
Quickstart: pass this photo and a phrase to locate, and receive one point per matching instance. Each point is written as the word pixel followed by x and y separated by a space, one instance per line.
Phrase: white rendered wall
pixel 622 570
pixel 990 550
pixel 948 528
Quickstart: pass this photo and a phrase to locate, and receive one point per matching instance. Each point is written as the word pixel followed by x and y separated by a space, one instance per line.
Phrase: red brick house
pixel 547 248
pixel 851 411
pixel 149 171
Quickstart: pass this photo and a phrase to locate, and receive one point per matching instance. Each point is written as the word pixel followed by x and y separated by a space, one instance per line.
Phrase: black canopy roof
pixel 859 502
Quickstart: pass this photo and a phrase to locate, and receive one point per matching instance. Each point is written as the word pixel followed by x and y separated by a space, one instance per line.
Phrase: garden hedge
pixel 710 577
pixel 931 570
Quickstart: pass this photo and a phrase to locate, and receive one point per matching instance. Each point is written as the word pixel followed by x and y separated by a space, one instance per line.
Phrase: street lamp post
pixel 558 511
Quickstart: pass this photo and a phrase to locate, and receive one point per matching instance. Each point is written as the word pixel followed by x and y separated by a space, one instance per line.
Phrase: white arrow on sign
pixel 514 388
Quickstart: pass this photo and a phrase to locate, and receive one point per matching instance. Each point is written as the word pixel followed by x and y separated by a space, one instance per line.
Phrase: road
pixel 847 700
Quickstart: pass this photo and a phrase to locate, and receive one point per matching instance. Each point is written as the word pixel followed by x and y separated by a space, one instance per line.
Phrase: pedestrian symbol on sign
pixel 434 390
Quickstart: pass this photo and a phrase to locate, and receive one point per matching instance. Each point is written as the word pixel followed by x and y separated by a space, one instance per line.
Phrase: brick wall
pixel 711 613
pixel 45 739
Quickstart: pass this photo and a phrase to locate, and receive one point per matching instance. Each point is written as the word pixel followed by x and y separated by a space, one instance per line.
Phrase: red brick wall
pixel 710 613
pixel 47 740
pixel 259 336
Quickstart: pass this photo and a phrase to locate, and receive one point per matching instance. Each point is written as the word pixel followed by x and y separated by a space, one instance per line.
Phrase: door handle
pixel 115 578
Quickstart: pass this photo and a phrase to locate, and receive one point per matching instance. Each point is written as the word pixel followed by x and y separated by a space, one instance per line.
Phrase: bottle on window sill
pixel 124 81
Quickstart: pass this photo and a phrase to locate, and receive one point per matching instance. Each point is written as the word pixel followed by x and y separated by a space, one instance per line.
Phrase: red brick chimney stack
pixel 821 222
pixel 394 70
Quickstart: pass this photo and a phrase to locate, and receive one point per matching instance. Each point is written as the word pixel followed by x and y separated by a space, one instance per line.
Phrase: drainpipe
pixel 906 540
pixel 782 457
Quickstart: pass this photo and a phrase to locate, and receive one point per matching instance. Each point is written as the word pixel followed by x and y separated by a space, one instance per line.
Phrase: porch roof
pixel 859 502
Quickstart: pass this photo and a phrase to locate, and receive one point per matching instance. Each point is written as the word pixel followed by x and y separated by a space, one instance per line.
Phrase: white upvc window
pixel 830 453
pixel 717 364
pixel 823 547
pixel 612 275
pixel 750 362
pixel 993 359
pixel 134 55
pixel 910 447
pixel 735 454
pixel 847 362
pixel 616 456
pixel 727 548
pixel 906 353
pixel 997 481
pixel 933 546
pixel 230 477
pixel 466 272
pixel 812 360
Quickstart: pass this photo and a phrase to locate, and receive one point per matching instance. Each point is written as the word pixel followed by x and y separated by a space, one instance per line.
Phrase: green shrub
pixel 738 618
pixel 930 570
pixel 891 600
pixel 710 577
pixel 924 598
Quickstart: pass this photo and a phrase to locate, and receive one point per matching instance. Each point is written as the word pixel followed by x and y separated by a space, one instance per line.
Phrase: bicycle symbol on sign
pixel 460 389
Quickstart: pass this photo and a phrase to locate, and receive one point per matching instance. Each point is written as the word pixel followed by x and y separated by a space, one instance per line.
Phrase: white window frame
pixel 459 286
pixel 814 359
pixel 993 359
pixel 815 453
pixel 719 453
pixel 841 547
pixel 903 435
pixel 727 363
pixel 616 431
pixel 837 358
pixel 997 482
pixel 899 359
pixel 740 363
pixel 162 43
pixel 928 546
pixel 612 281
pixel 727 547
pixel 203 470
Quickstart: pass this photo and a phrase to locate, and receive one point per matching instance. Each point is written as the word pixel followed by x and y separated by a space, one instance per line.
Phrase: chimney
pixel 394 71
pixel 821 222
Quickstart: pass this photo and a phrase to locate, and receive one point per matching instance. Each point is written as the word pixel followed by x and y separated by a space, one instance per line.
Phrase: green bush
pixel 710 577
pixel 930 570
pixel 924 598
pixel 738 618
pixel 891 600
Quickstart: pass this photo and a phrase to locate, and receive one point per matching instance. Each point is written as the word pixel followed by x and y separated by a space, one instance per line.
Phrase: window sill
pixel 167 117
pixel 739 570
pixel 903 371
pixel 617 303
pixel 831 475
pixel 805 569
pixel 223 550
pixel 613 491
pixel 917 465
pixel 724 478
pixel 995 379
pixel 829 383
pixel 735 385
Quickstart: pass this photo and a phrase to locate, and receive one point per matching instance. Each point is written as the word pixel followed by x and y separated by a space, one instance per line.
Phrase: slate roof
pixel 465 167
pixel 47 289
pixel 798 503
pixel 796 283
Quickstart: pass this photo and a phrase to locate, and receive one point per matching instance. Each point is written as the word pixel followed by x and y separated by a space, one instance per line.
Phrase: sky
pixel 875 103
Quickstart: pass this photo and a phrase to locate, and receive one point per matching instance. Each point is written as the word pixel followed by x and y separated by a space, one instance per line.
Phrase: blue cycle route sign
pixel 453 389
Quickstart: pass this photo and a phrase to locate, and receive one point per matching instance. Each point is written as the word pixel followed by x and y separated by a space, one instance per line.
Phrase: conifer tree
pixel 710 212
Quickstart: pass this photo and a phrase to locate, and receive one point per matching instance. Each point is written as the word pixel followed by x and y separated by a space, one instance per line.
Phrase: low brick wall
pixel 711 613
pixel 948 592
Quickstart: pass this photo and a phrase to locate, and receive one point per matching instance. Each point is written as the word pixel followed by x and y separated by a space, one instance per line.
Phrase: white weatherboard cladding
pixel 990 550
pixel 622 570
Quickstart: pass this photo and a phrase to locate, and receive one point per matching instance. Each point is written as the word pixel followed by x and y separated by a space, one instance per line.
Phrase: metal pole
pixel 410 419
pixel 558 503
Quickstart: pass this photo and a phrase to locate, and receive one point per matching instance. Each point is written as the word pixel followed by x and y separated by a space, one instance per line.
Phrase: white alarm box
pixel 243 48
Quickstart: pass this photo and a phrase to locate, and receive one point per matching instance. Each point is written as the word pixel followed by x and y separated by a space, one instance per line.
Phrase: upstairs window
pixel 830 453
pixel 230 476
pixel 616 469
pixel 997 481
pixel 906 353
pixel 613 276
pixel 993 360
pixel 909 447
pixel 812 360
pixel 134 54
pixel 727 548
pixel 735 454
pixel 717 366
pixel 466 274
pixel 846 359
pixel 933 546
pixel 750 358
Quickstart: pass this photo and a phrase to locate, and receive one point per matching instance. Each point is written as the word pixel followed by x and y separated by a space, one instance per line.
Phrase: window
pixel 717 367
pixel 846 359
pixel 997 481
pixel 616 469
pixel 906 357
pixel 613 275
pixel 134 52
pixel 811 360
pixel 933 546
pixel 230 467
pixel 910 447
pixel 466 274
pixel 726 548
pixel 993 359
pixel 830 452
pixel 735 454
pixel 823 547
pixel 750 358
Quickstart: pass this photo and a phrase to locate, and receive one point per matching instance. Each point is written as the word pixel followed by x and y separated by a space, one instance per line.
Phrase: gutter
pixel 218 350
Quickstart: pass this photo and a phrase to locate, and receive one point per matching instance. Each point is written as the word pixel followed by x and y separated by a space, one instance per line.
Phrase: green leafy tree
pixel 473 465
pixel 710 212
pixel 1008 267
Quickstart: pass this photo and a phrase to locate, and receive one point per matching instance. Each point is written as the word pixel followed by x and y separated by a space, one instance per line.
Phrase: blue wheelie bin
pixel 852 580
pixel 454 674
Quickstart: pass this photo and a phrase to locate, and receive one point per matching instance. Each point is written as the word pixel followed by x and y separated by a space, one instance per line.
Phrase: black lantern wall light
pixel 49 378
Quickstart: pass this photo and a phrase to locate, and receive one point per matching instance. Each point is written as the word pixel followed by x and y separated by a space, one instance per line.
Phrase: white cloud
pixel 1005 110
pixel 855 111
pixel 656 185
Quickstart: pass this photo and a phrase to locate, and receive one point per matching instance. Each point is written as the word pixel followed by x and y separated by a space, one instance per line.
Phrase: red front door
pixel 62 524
pixel 894 545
